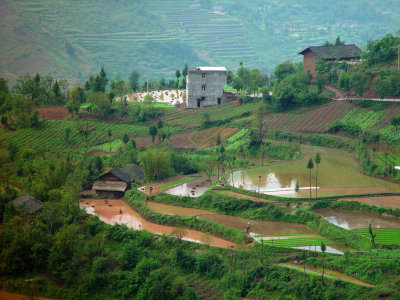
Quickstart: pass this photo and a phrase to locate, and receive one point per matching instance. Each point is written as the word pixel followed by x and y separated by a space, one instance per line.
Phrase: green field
pixel 383 236
pixel 366 119
pixel 299 241
pixel 53 135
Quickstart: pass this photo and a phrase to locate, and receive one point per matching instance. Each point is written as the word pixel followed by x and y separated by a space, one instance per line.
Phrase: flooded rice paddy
pixel 192 188
pixel 350 219
pixel 118 212
pixel 338 174
pixel 256 226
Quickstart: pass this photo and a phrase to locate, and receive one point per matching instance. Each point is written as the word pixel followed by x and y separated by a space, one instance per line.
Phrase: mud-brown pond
pixel 118 212
pixel 256 226
pixel 192 188
pixel 351 219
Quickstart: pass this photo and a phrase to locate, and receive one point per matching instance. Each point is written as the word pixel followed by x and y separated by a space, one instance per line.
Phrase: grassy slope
pixel 72 39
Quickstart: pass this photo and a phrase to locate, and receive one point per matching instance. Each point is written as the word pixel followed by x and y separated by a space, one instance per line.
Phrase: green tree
pixel 153 132
pixel 100 104
pixel 359 81
pixel 13 150
pixel 297 188
pixel 109 137
pixel 156 163
pixel 323 249
pixel 395 121
pixel 134 81
pixel 372 235
pixel 67 133
pixel 310 166
pixel 133 144
pixel 317 160
pixel 125 138
pixel 35 123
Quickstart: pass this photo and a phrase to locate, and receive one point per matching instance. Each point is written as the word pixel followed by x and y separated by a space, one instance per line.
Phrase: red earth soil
pixel 12 296
pixel 53 112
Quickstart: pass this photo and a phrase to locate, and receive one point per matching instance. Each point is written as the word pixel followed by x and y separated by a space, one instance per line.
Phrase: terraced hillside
pixel 72 39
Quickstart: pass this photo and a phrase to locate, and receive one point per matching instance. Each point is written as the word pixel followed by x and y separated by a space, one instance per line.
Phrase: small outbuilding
pixel 349 53
pixel 28 204
pixel 116 182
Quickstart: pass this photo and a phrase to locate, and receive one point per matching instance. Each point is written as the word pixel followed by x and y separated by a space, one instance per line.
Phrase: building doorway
pixel 198 102
pixel 219 101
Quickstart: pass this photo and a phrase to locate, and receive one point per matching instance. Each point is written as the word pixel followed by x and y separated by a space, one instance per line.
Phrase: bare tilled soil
pixel 53 112
pixel 380 201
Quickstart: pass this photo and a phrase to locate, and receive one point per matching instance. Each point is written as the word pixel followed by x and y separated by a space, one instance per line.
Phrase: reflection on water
pixel 266 182
pixel 118 212
pixel 329 249
pixel 350 219
pixel 192 188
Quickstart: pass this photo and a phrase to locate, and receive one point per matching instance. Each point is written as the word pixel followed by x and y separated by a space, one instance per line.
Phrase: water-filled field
pixel 338 174
pixel 118 212
pixel 193 188
pixel 351 219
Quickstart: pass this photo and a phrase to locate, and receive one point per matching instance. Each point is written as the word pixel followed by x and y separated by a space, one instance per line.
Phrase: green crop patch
pixel 298 241
pixel 383 236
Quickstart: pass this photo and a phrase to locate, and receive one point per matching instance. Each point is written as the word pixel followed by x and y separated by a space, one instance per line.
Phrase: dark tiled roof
pixel 335 52
pixel 26 201
pixel 128 173
pixel 113 186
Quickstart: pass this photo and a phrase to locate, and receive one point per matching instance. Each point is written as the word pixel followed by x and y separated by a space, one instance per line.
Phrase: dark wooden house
pixel 117 181
pixel 27 204
pixel 329 53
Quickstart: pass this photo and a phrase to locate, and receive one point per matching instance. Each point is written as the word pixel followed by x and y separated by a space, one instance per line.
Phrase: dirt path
pixel 253 198
pixel 338 94
pixel 329 273
pixel 13 296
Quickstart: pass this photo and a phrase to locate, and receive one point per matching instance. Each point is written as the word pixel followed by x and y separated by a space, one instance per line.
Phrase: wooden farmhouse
pixel 116 182
pixel 349 53
pixel 27 204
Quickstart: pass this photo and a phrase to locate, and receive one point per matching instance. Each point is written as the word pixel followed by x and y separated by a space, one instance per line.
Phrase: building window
pixel 203 98
pixel 219 101
pixel 203 88
pixel 203 75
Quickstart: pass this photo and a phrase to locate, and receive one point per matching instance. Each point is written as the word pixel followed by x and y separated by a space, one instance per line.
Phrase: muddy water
pixel 256 226
pixel 192 188
pixel 271 183
pixel 117 211
pixel 350 219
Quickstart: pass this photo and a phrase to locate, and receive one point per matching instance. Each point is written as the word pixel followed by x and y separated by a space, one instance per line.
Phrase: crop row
pixel 298 241
pixel 389 159
pixel 383 236
pixel 54 134
pixel 366 119
pixel 237 136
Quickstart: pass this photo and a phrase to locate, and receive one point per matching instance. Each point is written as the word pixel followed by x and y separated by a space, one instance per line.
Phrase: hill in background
pixel 71 39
